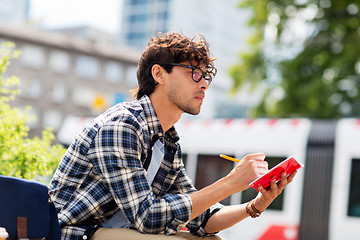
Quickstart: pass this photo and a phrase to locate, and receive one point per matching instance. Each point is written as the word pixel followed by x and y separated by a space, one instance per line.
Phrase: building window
pixel 59 93
pixel 31 88
pixel 113 72
pixel 138 18
pixel 131 78
pixel 354 193
pixel 59 62
pixel 87 67
pixel 52 119
pixel 163 16
pixel 210 169
pixel 135 35
pixel 138 2
pixel 82 96
pixel 32 56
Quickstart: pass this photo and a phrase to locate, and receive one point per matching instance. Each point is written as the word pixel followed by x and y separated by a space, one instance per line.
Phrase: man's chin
pixel 193 112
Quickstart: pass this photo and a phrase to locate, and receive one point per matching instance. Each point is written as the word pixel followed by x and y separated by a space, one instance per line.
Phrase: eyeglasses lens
pixel 197 75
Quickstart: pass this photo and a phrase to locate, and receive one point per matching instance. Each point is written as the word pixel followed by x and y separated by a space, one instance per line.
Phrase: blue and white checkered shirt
pixel 102 172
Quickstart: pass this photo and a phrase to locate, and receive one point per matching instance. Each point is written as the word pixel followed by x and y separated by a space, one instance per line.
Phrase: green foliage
pixel 21 156
pixel 253 59
pixel 315 75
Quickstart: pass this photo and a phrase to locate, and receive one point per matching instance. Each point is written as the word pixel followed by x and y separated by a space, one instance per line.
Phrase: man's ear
pixel 158 73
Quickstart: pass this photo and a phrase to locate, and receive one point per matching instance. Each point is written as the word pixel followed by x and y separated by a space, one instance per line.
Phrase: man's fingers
pixel 255 156
pixel 291 177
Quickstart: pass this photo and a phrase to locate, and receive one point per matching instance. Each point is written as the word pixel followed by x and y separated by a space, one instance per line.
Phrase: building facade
pixel 143 18
pixel 223 24
pixel 14 12
pixel 62 76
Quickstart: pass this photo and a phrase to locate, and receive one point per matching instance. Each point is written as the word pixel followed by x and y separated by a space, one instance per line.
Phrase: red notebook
pixel 288 165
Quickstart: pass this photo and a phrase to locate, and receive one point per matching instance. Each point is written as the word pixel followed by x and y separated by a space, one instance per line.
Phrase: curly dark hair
pixel 167 48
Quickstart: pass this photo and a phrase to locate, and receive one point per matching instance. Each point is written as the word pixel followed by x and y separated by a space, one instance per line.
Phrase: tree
pixel 306 53
pixel 21 156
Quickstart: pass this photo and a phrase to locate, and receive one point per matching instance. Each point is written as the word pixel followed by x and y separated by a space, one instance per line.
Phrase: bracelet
pixel 254 213
pixel 254 208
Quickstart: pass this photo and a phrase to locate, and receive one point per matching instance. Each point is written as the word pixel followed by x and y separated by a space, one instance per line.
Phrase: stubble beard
pixel 183 104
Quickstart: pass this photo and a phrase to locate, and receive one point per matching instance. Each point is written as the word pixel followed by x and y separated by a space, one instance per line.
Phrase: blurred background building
pixel 222 23
pixel 14 12
pixel 63 76
pixel 82 70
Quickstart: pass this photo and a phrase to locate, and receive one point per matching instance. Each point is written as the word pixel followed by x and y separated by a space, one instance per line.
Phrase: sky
pixel 103 14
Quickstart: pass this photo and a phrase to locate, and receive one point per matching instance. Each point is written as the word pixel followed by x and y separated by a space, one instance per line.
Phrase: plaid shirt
pixel 102 172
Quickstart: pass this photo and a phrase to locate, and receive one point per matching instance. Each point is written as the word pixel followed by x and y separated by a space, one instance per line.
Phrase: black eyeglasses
pixel 197 73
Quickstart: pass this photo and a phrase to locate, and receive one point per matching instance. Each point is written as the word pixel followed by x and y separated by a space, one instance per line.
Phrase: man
pixel 123 175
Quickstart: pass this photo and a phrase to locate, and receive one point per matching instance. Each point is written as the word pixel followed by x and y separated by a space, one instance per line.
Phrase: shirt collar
pixel 154 122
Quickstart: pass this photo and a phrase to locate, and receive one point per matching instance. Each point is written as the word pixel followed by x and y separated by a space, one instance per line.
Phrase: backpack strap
pixel 21 227
pixel 149 155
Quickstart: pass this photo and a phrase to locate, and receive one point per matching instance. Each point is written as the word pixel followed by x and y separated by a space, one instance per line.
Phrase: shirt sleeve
pixel 116 154
pixel 183 184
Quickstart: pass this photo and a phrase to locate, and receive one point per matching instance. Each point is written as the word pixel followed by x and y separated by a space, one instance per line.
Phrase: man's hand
pixel 248 169
pixel 266 196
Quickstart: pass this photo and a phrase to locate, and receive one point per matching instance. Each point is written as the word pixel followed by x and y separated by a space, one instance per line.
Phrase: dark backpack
pixel 25 210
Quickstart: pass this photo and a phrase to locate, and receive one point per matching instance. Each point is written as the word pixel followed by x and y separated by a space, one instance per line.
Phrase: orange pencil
pixel 229 158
